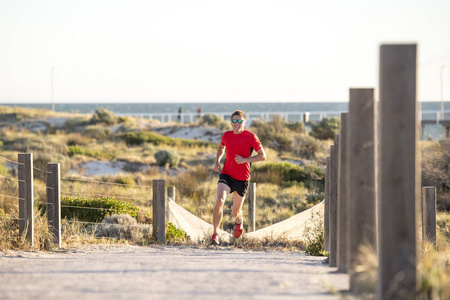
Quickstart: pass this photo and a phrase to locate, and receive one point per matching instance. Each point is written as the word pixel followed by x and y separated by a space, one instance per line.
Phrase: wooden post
pixel 342 226
pixel 54 202
pixel 26 200
pixel 326 210
pixel 170 196
pixel 159 216
pixel 251 206
pixel 362 178
pixel 399 189
pixel 429 214
pixel 333 201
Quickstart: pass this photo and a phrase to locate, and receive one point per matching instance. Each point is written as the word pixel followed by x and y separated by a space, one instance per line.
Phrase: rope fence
pixel 94 223
pixel 99 208
pixel 104 182
pixel 12 197
pixel 43 171
pixel 10 178
pixel 101 195
pixel 11 161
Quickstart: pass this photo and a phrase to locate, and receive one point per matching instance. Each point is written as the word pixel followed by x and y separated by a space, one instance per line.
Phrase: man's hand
pixel 217 167
pixel 240 160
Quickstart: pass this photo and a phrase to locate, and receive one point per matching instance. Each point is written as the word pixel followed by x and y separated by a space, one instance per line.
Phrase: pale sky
pixel 208 50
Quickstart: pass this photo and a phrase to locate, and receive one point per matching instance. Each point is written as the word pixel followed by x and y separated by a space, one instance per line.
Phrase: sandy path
pixel 128 272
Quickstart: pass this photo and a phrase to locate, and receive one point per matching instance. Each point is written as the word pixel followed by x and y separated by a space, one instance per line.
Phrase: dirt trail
pixel 129 272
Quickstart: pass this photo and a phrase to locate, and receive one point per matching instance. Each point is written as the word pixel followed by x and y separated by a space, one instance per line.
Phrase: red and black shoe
pixel 214 240
pixel 238 230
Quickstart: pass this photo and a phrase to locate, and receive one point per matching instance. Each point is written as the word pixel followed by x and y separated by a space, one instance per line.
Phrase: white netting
pixel 291 228
pixel 195 227
pixel 200 230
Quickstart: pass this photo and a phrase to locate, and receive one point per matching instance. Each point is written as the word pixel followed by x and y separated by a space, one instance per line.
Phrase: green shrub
pixel 121 226
pixel 435 171
pixel 102 115
pixel 306 146
pixel 125 179
pixel 95 210
pixel 139 138
pixel 215 121
pixel 168 156
pixel 173 234
pixel 277 173
pixel 315 198
pixel 273 134
pixel 74 139
pixel 313 234
pixel 325 129
pixel 97 132
pixel 75 150
pixel 297 127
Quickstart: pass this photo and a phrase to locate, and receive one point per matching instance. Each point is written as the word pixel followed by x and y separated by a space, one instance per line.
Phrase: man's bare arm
pixel 220 152
pixel 261 156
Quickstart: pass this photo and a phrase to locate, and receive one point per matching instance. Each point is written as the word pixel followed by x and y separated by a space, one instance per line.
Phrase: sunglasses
pixel 237 121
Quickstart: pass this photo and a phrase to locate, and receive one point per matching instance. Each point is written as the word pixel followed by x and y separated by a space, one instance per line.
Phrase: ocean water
pixel 207 107
pixel 188 107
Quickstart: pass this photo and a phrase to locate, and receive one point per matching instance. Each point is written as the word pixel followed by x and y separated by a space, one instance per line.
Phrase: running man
pixel 235 175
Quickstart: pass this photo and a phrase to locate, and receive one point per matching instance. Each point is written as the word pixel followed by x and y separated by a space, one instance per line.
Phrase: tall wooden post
pixel 251 207
pixel 362 179
pixel 429 214
pixel 159 216
pixel 54 202
pixel 342 228
pixel 333 201
pixel 399 173
pixel 26 200
pixel 326 210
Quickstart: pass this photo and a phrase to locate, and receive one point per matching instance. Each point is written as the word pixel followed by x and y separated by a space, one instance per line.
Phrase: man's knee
pixel 220 201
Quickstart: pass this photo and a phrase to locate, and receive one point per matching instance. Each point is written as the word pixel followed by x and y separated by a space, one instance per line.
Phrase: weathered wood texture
pixel 54 202
pixel 362 179
pixel 342 228
pixel 333 201
pixel 326 217
pixel 429 214
pixel 251 206
pixel 26 200
pixel 159 205
pixel 399 175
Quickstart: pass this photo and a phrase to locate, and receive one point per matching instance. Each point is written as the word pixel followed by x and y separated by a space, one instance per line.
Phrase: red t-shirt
pixel 239 144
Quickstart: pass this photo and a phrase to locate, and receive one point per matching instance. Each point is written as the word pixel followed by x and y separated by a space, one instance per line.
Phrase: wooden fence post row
pixel 26 200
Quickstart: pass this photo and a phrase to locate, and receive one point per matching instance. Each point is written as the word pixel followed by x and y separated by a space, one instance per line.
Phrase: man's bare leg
pixel 222 192
pixel 238 201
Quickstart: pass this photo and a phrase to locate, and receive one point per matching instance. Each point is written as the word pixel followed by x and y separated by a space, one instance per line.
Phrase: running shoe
pixel 238 229
pixel 214 240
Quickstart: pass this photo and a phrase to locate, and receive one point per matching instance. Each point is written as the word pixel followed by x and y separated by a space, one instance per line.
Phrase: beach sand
pixel 165 272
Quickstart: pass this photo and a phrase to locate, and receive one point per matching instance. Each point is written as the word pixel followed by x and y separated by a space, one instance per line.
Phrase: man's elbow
pixel 263 156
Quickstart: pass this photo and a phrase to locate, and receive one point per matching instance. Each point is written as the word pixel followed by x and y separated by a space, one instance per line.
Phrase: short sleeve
pixel 256 144
pixel 222 141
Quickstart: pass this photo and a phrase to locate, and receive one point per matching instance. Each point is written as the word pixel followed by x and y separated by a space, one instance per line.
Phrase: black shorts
pixel 238 186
